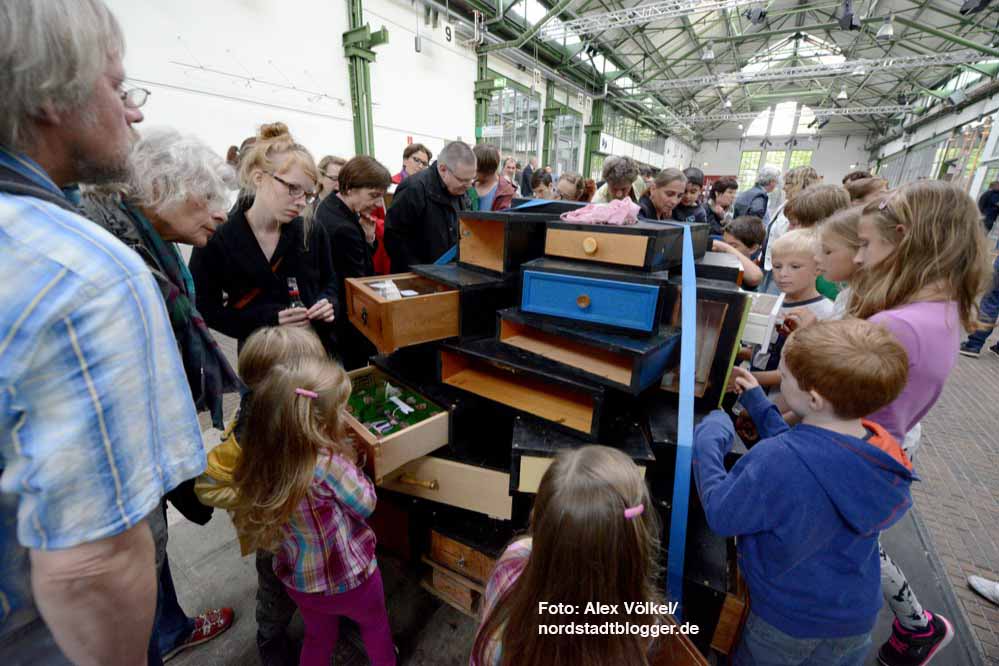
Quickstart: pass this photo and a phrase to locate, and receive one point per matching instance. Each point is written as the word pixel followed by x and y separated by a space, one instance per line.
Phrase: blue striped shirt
pixel 96 417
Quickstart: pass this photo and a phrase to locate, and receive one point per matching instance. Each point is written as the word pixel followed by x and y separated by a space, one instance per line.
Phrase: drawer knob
pixel 410 481
pixel 461 561
pixel 583 301
pixel 590 245
pixel 364 316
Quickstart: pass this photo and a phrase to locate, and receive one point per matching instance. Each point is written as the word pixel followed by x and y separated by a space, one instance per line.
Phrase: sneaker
pixel 970 350
pixel 995 349
pixel 213 622
pixel 907 648
pixel 985 587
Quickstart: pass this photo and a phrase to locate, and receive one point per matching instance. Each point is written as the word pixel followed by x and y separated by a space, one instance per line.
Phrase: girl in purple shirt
pixel 924 262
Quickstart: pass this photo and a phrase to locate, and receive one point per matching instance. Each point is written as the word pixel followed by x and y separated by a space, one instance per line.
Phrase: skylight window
pixel 783 121
pixel 793 49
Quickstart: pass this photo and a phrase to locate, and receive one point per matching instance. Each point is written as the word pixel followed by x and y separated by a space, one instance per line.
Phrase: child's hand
pixel 743 380
pixel 802 318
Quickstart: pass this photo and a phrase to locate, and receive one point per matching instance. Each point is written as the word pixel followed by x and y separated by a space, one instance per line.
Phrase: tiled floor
pixel 958 498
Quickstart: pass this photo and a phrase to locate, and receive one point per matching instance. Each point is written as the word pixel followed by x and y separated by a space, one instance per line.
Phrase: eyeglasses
pixel 134 97
pixel 335 177
pixel 422 163
pixel 467 182
pixel 295 191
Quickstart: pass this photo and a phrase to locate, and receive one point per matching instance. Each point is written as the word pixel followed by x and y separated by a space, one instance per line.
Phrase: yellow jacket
pixel 214 487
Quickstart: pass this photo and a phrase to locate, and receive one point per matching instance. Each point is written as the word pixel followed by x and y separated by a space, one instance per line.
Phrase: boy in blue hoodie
pixel 808 503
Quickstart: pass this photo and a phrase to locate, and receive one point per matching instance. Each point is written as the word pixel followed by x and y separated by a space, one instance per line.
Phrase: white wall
pixel 246 62
pixel 832 156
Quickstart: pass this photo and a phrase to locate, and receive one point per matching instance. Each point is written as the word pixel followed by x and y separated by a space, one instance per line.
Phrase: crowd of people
pixel 107 356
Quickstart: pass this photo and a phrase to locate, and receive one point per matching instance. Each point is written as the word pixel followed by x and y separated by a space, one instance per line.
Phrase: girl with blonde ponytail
pixel 302 493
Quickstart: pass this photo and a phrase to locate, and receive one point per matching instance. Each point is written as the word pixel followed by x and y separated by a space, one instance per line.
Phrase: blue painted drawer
pixel 629 305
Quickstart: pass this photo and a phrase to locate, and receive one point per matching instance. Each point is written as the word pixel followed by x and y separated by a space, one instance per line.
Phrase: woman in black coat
pixel 267 266
pixel 346 218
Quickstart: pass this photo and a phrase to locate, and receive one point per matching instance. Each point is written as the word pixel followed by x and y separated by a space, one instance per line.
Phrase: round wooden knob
pixel 590 245
pixel 583 301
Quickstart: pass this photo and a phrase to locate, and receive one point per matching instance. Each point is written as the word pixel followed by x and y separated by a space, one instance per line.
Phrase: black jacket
pixel 422 223
pixel 352 257
pixel 648 209
pixel 693 213
pixel 525 182
pixel 988 204
pixel 711 217
pixel 231 267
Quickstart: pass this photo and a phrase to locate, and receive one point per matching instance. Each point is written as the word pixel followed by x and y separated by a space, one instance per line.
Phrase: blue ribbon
pixel 448 256
pixel 685 427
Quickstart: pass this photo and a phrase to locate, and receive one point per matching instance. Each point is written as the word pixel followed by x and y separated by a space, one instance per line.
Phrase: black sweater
pixel 239 291
pixel 352 258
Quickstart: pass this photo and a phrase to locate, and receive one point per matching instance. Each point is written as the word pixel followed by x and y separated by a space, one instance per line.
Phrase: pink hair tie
pixel 307 393
pixel 634 511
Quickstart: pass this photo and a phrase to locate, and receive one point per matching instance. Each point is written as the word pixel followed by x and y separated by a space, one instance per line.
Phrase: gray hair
pixel 52 52
pixel 456 153
pixel 619 170
pixel 768 174
pixel 166 168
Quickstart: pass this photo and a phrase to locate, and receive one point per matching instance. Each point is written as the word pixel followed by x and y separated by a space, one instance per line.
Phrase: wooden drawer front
pixel 389 453
pixel 764 312
pixel 481 243
pixel 621 249
pixel 458 591
pixel 458 557
pixel 455 484
pixel 608 302
pixel 569 407
pixel 391 324
pixel 533 468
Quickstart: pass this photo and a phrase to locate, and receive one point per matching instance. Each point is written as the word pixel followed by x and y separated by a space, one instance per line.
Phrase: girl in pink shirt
pixel 924 261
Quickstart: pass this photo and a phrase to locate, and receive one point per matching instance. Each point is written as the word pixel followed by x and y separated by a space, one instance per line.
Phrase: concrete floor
pixel 951 534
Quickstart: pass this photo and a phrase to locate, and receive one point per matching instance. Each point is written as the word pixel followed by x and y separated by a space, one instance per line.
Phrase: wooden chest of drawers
pixel 500 242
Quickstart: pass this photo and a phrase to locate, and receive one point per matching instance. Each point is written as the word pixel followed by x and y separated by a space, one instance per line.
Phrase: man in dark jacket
pixel 422 223
pixel 754 200
pixel 988 204
pixel 525 178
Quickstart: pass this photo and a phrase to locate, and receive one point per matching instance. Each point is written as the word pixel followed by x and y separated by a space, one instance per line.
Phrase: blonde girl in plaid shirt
pixel 301 493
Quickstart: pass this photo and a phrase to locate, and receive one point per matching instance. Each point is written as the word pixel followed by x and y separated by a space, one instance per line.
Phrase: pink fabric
pixel 618 212
pixel 931 333
pixel 365 605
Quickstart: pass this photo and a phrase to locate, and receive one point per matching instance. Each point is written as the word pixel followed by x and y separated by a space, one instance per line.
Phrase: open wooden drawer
pixel 390 452
pixel 455 483
pixel 525 382
pixel 624 362
pixel 500 242
pixel 404 309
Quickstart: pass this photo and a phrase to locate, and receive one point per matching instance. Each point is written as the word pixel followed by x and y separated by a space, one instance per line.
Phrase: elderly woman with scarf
pixel 176 192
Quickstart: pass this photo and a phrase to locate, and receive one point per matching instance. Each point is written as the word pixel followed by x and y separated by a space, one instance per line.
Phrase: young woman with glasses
pixel 269 265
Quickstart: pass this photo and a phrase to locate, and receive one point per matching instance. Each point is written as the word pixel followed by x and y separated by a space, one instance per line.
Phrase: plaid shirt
pixel 96 417
pixel 508 569
pixel 327 546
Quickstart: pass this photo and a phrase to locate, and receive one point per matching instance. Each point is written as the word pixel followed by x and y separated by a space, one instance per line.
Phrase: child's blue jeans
pixel 988 312
pixel 763 644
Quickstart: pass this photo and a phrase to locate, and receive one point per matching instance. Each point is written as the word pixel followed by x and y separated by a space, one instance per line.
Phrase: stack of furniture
pixel 544 335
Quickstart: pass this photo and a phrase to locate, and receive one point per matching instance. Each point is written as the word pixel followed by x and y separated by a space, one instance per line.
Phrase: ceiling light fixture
pixel 842 94
pixel 886 32
pixel 847 19
pixel 741 127
pixel 728 103
pixel 708 55
pixel 973 6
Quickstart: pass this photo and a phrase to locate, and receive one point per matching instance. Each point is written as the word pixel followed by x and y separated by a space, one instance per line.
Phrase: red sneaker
pixel 207 626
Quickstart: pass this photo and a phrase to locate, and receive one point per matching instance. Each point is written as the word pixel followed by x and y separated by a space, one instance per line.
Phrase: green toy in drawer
pixel 385 409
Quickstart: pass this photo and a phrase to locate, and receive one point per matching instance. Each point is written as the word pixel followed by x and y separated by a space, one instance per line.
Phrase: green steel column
pixel 550 113
pixel 358 43
pixel 593 131
pixel 483 94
